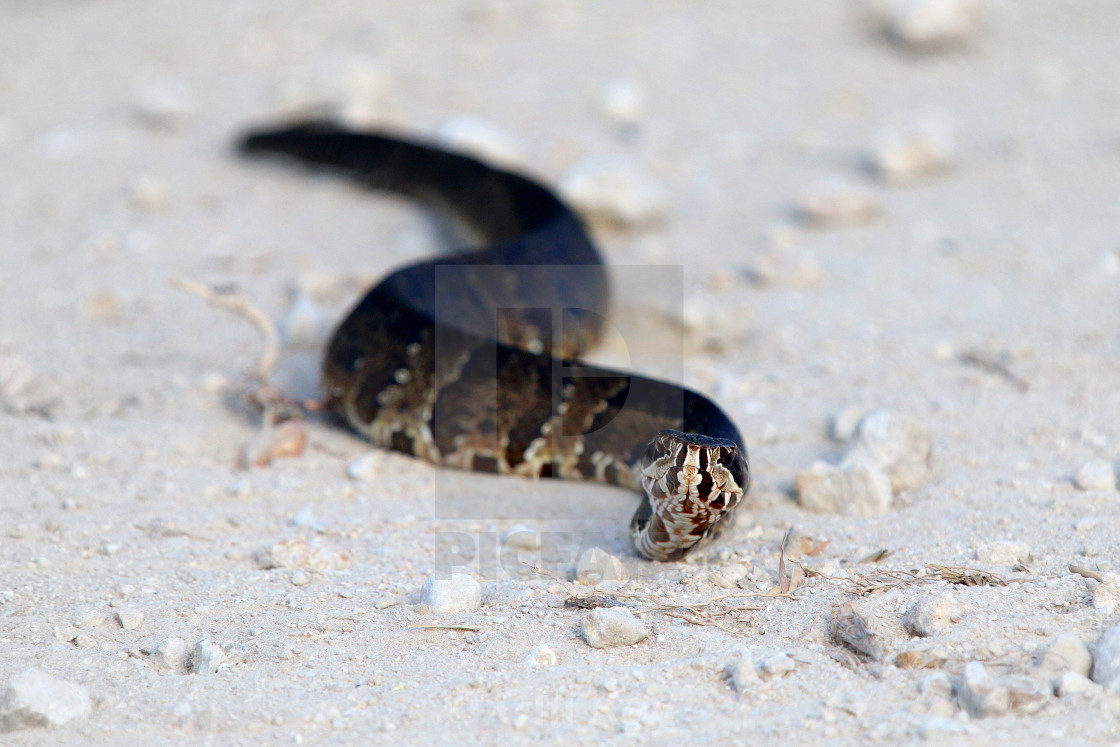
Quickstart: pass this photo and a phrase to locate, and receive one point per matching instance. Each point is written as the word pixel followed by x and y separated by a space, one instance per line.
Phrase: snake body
pixel 470 360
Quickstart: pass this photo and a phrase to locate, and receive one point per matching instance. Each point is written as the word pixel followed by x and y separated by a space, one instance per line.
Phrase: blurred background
pixel 842 181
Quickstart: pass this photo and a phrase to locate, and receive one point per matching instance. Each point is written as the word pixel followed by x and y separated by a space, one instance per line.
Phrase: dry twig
pixel 994 365
pixel 696 613
pixel 861 585
pixel 276 437
pixel 1086 573
pixel 882 580
pixel 965 576
pixel 229 301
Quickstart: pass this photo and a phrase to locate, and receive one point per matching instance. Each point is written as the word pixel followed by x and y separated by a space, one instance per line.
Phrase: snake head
pixel 691 482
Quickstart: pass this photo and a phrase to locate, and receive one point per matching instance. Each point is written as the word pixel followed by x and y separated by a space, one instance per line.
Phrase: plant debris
pixel 882 580
pixel 276 436
pixel 848 627
pixel 875 557
pixel 995 364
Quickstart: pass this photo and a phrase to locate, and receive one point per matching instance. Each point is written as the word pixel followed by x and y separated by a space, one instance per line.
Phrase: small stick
pixel 275 406
pixel 238 305
pixel 818 549
pixel 992 365
pixel 1086 573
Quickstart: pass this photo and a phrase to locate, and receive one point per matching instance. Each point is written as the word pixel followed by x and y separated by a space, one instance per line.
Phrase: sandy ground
pixel 120 489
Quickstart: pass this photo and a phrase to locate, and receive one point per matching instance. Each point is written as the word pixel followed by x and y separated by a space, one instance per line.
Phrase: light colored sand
pixel 127 495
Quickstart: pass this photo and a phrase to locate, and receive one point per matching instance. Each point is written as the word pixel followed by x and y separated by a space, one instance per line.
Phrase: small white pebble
pixel 843 423
pixel 611 627
pixel 916 151
pixel 849 489
pixel 366 91
pixel 742 674
pixel 149 194
pixel 522 537
pixel 208 656
pixel 171 654
pixel 482 139
pixel 615 189
pixel 215 381
pixel 129 618
pixel 305 324
pixel 1003 553
pixel 624 101
pixel 775 666
pixel 597 565
pixel 307 519
pixel 1072 683
pixel 1066 653
pixel 35 699
pixel 927 25
pixel 541 656
pixel 1107 660
pixel 1106 594
pixel 898 445
pixel 459 593
pixel 1109 264
pixel 164 106
pixel 1097 474
pixel 836 202
pixel 783 268
pixel 939 728
pixel 932 615
pixel 365 468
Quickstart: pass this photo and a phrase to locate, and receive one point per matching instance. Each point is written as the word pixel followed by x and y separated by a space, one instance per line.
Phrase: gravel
pixel 542 656
pixel 932 615
pixel 129 618
pixel 1106 660
pixel 916 151
pixel 612 627
pixel 597 565
pixel 928 25
pixel 1066 653
pixel 1098 474
pixel 459 593
pixel 983 695
pixel 898 445
pixel 207 658
pixel 172 655
pixel 888 453
pixel 35 699
pixel 482 139
pixel 847 489
pixel 1003 553
pixel 836 202
pixel 615 189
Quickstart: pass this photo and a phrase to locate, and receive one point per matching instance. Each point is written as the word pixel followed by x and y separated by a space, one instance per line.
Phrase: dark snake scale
pixel 470 360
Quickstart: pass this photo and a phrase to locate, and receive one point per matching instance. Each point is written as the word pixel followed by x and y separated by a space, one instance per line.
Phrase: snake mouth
pixel 703 453
pixel 692 483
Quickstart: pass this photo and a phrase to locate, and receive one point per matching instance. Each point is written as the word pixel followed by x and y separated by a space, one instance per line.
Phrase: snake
pixel 472 359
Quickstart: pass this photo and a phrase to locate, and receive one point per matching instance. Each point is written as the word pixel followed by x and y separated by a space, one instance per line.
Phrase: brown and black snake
pixel 470 360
